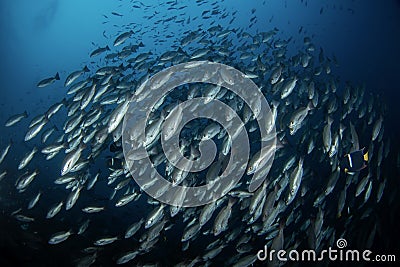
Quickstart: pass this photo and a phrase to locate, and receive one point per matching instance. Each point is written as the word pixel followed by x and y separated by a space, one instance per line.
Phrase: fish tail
pixel 366 156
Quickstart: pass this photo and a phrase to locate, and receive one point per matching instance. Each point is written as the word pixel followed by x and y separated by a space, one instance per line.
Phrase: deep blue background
pixel 40 38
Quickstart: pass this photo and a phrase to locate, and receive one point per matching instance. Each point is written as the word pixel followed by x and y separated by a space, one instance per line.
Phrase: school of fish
pixel 306 199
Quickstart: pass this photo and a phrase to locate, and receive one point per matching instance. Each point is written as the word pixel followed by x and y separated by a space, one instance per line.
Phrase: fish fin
pixel 141 44
pixel 366 156
pixel 107 48
pixel 25 114
pixel 346 170
pixel 86 69
pixel 180 50
pixel 57 77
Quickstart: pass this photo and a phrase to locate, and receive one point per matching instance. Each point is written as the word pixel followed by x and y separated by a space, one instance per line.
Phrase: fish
pixel 35 129
pixel 34 200
pixel 288 87
pixel 117 115
pixel 298 117
pixel 48 81
pixel 116 14
pixel 4 151
pixel 361 185
pixel 155 216
pixel 206 213
pixel 83 227
pixel 122 38
pixel 2 175
pixel 27 158
pixel 99 51
pixel 354 138
pixel 190 232
pixel 47 133
pixel 25 180
pixel 105 241
pixel 59 237
pixel 257 198
pixel 260 159
pixel 93 209
pixel 377 128
pixel 76 74
pixel 334 177
pixel 54 210
pixel 326 134
pixel 221 221
pixel 24 218
pixel 276 75
pixel 315 120
pixel 126 199
pixel 72 198
pixel 54 148
pixel 16 118
pixel 71 159
pixel 133 228
pixel 127 257
pixel 295 180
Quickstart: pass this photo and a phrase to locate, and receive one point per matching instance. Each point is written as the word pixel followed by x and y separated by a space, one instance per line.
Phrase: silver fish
pixel 48 81
pixel 59 237
pixel 16 118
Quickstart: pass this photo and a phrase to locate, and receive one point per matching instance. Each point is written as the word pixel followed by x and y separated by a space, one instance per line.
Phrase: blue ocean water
pixel 41 38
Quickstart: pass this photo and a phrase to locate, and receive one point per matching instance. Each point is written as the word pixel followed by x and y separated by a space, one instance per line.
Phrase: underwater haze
pixel 73 72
